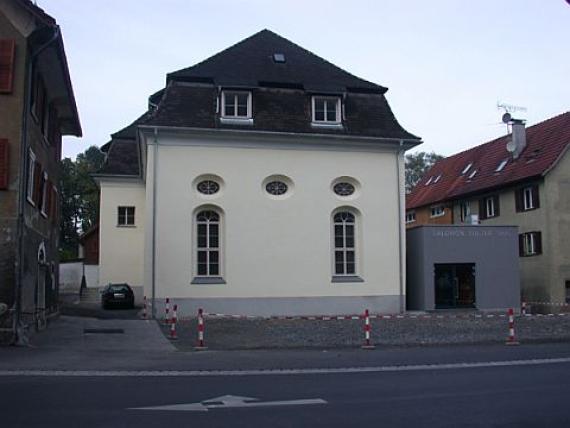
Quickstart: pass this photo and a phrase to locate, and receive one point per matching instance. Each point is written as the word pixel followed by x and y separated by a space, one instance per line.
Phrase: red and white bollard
pixel 367 329
pixel 173 334
pixel 167 311
pixel 201 346
pixel 523 308
pixel 145 314
pixel 511 340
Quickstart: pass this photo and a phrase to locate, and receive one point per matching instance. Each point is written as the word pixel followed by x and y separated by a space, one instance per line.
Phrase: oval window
pixel 276 188
pixel 208 187
pixel 343 188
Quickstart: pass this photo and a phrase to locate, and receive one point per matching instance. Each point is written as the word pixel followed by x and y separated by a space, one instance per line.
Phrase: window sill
pixel 30 201
pixel 44 215
pixel 127 225
pixel 531 255
pixel 524 210
pixel 332 125
pixel 236 121
pixel 208 280
pixel 347 278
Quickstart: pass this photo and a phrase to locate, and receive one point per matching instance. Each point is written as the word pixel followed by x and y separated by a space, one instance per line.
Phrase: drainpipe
pixel 30 61
pixel 400 226
pixel 153 247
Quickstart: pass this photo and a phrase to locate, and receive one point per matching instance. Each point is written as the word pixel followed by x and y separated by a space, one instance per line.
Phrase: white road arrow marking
pixel 231 401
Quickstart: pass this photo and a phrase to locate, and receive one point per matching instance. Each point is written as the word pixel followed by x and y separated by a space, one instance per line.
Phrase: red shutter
pixel 4 164
pixel 37 184
pixel 7 48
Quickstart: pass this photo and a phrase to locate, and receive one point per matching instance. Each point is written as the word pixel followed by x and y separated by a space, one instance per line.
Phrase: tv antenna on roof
pixel 509 108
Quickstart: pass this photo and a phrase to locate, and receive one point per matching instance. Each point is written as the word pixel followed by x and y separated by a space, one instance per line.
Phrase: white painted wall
pixel 121 249
pixel 272 248
pixel 70 275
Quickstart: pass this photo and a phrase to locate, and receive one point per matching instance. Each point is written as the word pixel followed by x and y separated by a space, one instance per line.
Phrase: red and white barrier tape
pixel 367 329
pixel 549 303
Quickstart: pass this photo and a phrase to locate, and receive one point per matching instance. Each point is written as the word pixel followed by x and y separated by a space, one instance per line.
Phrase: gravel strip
pixel 234 334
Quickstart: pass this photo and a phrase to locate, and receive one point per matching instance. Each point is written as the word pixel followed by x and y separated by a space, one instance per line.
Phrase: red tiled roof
pixel 545 141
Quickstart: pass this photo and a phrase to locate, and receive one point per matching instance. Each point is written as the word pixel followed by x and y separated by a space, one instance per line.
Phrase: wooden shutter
pixel 519 202
pixel 37 184
pixel 521 245
pixel 497 205
pixel 7 48
pixel 4 164
pixel 537 242
pixel 535 198
pixel 482 209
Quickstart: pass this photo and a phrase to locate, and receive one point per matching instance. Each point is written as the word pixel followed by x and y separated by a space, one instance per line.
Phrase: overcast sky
pixel 446 62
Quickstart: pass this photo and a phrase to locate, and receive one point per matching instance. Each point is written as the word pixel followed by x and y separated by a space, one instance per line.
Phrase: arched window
pixel 208 243
pixel 344 243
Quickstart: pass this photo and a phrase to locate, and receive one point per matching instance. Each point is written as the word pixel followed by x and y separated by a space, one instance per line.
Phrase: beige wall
pixel 272 248
pixel 121 252
pixel 557 204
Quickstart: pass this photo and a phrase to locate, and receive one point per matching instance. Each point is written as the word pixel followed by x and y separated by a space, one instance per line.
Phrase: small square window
pixel 410 217
pixel 126 216
pixel 236 105
pixel 437 211
pixel 279 57
pixel 326 110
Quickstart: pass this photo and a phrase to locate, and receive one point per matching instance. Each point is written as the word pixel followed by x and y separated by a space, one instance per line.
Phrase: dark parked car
pixel 117 295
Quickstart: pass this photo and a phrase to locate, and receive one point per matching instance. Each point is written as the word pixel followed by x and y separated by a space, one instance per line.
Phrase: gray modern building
pixel 462 267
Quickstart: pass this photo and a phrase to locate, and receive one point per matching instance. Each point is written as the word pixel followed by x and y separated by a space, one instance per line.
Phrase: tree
pixel 417 164
pixel 79 199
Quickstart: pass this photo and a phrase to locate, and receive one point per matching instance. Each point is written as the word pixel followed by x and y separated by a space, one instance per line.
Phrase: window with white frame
pixel 437 211
pixel 467 168
pixel 410 217
pixel 326 110
pixel 44 194
pixel 490 208
pixel 344 224
pixel 125 216
pixel 530 244
pixel 236 105
pixel 465 210
pixel 528 200
pixel 31 177
pixel 208 244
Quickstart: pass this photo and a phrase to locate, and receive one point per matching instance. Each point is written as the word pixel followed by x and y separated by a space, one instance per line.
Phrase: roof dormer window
pixel 236 106
pixel 279 57
pixel 502 165
pixel 472 174
pixel 467 168
pixel 429 181
pixel 326 110
pixel 437 179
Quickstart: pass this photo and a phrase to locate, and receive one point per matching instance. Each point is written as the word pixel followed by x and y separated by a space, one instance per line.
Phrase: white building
pixel 262 181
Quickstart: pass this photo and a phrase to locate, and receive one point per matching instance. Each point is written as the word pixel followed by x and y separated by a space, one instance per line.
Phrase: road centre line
pixel 280 372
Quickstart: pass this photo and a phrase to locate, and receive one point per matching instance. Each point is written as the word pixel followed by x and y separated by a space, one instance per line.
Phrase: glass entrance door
pixel 454 285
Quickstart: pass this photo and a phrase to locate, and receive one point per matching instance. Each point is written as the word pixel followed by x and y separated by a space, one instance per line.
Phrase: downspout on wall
pixel 402 229
pixel 153 247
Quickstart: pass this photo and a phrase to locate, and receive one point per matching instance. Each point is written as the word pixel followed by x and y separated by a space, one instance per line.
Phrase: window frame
pixel 31 177
pixel 345 275
pixel 436 215
pixel 528 203
pixel 412 216
pixel 490 209
pixel 126 216
pixel 208 278
pixel 464 210
pixel 325 121
pixel 44 194
pixel 530 244
pixel 236 116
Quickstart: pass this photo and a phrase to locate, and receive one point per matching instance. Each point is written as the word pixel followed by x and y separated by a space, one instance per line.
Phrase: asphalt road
pixel 481 395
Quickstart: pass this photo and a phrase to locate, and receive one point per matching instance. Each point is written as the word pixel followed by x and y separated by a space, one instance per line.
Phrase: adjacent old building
pixel 521 179
pixel 37 107
pixel 262 181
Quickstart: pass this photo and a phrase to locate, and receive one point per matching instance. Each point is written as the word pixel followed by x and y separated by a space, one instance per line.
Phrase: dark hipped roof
pixel 250 63
pixel 546 142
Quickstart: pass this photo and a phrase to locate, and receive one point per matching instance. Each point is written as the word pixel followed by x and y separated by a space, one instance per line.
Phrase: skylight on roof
pixel 437 179
pixel 279 57
pixel 472 174
pixel 467 168
pixel 429 181
pixel 502 165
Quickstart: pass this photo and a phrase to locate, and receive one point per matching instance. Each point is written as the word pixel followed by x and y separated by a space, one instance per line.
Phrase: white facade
pixel 276 251
pixel 121 248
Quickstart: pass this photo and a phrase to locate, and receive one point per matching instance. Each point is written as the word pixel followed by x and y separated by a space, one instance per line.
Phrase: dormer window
pixel 326 110
pixel 467 168
pixel 501 165
pixel 236 105
pixel 472 174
